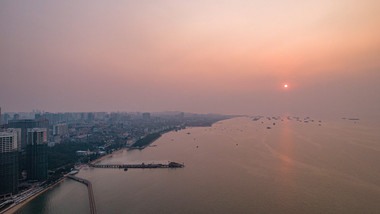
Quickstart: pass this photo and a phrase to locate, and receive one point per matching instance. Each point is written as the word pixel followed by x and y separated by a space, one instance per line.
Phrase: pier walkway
pixel 90 192
pixel 142 165
pixel 118 166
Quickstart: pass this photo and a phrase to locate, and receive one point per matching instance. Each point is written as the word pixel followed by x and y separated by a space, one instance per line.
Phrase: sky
pixel 201 56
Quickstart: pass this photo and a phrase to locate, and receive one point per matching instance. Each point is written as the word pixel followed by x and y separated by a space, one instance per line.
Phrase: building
pixel 9 164
pixel 100 115
pixel 18 134
pixel 83 153
pixel 36 154
pixel 146 116
pixel 6 118
pixel 90 117
pixel 16 117
pixel 26 124
pixel 8 141
pixel 60 129
pixel 181 115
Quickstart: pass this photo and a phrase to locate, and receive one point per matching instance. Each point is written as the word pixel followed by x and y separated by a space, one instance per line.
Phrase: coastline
pixel 15 207
pixel 106 156
pixel 18 206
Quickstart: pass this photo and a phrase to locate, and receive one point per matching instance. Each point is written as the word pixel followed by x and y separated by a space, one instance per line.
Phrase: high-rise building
pixel 36 154
pixel 25 124
pixel 90 117
pixel 8 142
pixel 60 129
pixel 181 115
pixel 6 118
pixel 83 116
pixel 9 162
pixel 18 135
pixel 146 116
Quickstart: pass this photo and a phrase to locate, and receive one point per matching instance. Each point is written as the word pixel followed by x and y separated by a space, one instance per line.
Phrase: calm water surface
pixel 237 166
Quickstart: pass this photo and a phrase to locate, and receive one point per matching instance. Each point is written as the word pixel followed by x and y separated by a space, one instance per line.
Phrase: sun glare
pixel 286 86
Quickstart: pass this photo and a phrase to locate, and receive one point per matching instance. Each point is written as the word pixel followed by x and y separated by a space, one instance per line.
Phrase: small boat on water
pixel 125 169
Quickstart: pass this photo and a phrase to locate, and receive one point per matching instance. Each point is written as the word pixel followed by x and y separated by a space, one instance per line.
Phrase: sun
pixel 286 85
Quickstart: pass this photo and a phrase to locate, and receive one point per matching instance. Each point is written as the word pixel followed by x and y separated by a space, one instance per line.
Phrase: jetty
pixel 90 192
pixel 119 166
pixel 139 166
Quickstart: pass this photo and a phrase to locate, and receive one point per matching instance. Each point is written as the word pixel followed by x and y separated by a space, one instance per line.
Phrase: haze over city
pixel 194 56
pixel 201 106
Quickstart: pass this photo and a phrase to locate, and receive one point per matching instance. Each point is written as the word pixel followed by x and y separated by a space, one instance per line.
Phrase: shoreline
pixel 106 156
pixel 18 206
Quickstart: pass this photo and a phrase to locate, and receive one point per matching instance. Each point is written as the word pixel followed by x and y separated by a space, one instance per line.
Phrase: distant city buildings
pixel 5 118
pixel 90 117
pixel 24 141
pixel 60 129
pixel 146 116
pixel 59 132
pixel 16 117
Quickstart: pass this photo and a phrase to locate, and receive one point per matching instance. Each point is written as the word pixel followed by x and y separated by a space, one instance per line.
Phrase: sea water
pixel 237 166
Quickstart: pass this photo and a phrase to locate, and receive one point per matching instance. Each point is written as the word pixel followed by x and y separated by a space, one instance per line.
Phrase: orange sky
pixel 197 56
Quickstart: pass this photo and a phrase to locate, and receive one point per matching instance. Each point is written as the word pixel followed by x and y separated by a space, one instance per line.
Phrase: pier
pixel 140 166
pixel 90 192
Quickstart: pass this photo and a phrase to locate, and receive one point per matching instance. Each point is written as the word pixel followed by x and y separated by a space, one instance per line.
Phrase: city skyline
pixel 203 106
pixel 200 56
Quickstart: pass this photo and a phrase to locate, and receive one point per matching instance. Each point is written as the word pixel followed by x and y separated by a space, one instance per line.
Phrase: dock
pixel 90 192
pixel 139 166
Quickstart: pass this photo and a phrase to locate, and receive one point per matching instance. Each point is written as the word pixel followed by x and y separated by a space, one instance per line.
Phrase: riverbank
pixel 18 206
pixel 146 141
pixel 107 156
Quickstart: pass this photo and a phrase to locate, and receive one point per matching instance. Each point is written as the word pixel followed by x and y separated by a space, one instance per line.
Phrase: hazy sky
pixel 194 56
